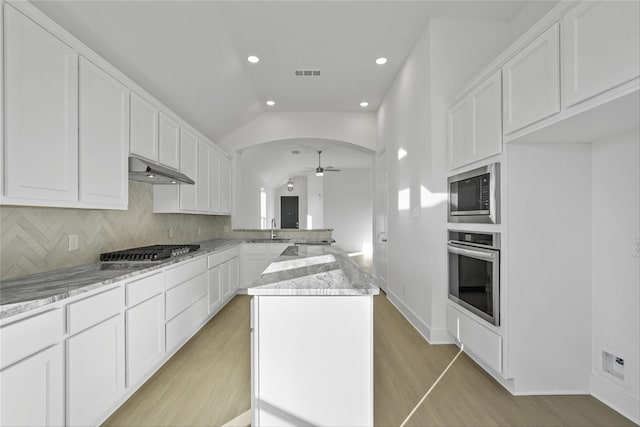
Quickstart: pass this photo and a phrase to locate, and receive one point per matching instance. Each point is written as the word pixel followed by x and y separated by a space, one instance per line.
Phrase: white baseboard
pixel 433 336
pixel 616 398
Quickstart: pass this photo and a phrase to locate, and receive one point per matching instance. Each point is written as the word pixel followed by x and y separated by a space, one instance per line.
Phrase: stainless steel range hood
pixel 146 171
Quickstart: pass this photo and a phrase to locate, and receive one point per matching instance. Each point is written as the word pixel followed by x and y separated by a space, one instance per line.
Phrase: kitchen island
pixel 312 340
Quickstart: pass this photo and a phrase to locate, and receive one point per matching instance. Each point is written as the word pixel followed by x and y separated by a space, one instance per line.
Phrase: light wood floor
pixel 207 383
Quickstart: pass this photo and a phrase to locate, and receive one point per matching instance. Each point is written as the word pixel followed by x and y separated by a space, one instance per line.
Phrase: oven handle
pixel 487 256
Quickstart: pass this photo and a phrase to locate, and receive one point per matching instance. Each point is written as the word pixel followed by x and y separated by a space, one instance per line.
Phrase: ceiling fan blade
pixel 331 170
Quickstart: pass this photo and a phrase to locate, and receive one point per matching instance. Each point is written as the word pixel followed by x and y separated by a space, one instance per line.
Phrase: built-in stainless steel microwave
pixel 474 196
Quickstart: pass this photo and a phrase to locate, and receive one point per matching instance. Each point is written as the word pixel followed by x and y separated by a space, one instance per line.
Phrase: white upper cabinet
pixel 41 111
pixel 169 142
pixel 460 130
pixel 144 129
pixel 189 167
pixel 203 180
pixel 600 48
pixel 475 124
pixel 104 138
pixel 224 183
pixel 214 184
pixel 487 118
pixel 531 82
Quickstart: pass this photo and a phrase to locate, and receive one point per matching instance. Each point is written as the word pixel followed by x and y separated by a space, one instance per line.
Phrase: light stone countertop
pixel 36 290
pixel 313 270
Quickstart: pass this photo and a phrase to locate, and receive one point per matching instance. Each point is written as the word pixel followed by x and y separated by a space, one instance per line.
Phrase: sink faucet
pixel 273 228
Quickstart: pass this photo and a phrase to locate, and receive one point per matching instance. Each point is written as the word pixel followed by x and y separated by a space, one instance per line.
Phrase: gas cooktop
pixel 148 253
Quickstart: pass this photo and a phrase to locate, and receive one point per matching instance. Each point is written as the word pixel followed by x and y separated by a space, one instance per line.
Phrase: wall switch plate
pixel 171 232
pixel 73 242
pixel 416 212
pixel 226 228
pixel 636 247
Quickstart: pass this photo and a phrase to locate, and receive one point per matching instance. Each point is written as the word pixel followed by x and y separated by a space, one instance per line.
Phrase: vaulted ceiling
pixel 191 55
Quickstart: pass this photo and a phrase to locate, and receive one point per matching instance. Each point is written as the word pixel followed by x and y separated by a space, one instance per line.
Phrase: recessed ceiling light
pixel 270 103
pixel 381 61
pixel 253 59
pixel 364 104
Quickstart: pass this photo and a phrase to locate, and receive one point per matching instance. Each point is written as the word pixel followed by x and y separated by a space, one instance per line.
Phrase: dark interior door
pixel 289 211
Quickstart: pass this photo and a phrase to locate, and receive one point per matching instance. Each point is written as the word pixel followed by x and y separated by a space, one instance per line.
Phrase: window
pixel 263 209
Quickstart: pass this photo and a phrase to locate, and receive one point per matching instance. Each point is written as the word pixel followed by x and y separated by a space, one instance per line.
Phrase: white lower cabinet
pixel 256 257
pixel 145 338
pixel 215 290
pixel 95 372
pixel 476 338
pixel 32 391
pixel 186 323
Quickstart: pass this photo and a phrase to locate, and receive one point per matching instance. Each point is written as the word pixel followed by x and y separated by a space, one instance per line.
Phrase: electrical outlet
pixel 73 242
pixel 171 232
pixel 226 228
pixel 636 247
pixel 198 230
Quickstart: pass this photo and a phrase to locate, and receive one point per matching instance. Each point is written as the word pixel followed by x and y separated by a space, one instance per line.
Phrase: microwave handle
pixel 471 253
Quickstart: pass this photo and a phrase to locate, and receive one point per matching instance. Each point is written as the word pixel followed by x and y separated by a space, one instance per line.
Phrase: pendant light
pixel 290 185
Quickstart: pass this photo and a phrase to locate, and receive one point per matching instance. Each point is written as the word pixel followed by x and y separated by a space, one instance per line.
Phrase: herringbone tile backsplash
pixel 33 240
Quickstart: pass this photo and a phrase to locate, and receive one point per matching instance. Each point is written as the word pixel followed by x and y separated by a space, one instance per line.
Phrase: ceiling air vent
pixel 307 73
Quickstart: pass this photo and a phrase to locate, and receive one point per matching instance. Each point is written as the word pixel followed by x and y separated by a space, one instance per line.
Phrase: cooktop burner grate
pixel 149 253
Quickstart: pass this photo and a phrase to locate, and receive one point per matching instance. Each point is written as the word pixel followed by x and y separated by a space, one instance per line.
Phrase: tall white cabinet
pixel 41 111
pixel 600 48
pixel 104 138
pixel 531 82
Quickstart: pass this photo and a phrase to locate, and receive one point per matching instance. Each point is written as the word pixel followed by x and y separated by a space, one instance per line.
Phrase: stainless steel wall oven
pixel 474 273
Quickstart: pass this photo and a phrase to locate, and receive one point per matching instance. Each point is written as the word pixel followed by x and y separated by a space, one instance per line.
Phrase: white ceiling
pixel 192 54
pixel 274 162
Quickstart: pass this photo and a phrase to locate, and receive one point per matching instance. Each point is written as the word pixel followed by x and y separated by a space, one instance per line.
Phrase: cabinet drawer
pixel 143 289
pixel 182 296
pixel 26 337
pixel 185 271
pixel 232 253
pixel 482 342
pixel 185 324
pixel 214 259
pixel 95 309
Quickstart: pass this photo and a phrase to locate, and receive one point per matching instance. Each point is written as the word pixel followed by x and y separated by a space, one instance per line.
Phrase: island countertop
pixel 313 270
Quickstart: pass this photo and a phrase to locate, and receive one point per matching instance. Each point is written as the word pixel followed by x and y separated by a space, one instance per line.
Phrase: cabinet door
pixel 33 390
pixel 214 176
pixel 168 142
pixel 531 86
pixel 215 290
pixel 95 371
pixel 189 167
pixel 252 267
pixel 203 181
pixel 145 338
pixel 41 111
pixel 144 129
pixel 234 276
pixel 460 131
pixel 600 48
pixel 487 118
pixel 226 279
pixel 225 185
pixel 104 138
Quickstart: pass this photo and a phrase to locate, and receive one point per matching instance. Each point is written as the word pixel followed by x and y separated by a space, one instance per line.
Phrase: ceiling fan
pixel 320 170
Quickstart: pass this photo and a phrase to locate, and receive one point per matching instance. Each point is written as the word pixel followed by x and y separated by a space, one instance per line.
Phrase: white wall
pixel 300 190
pixel 413 117
pixel 616 273
pixel 348 207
